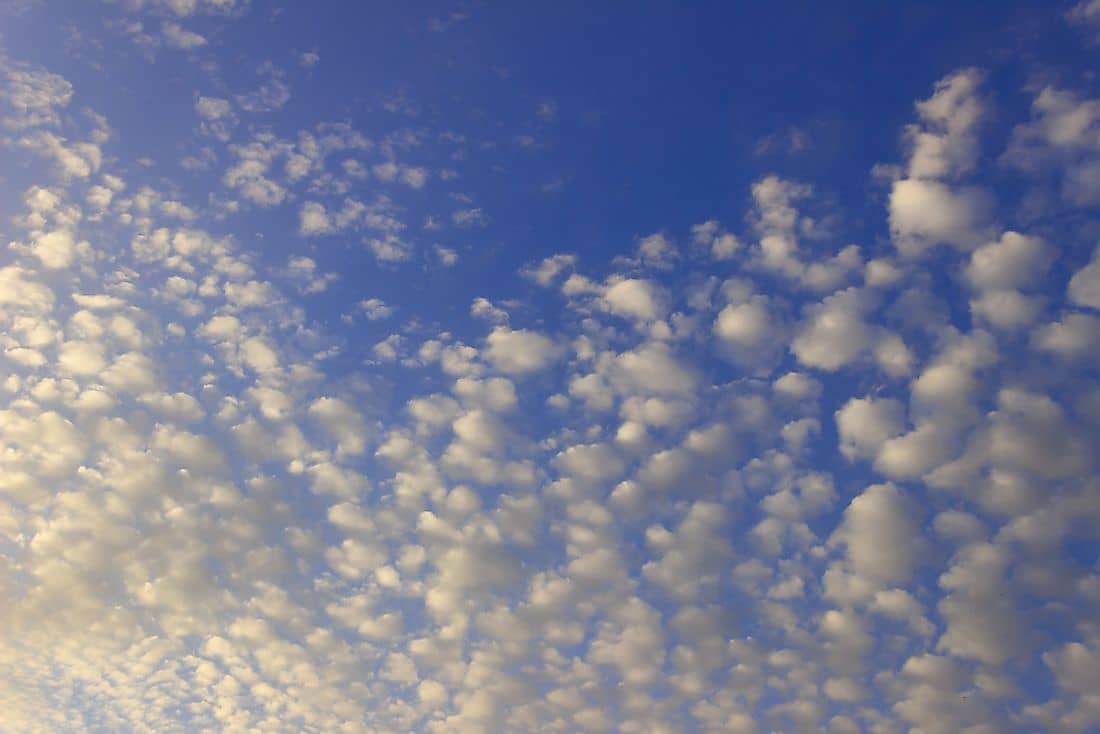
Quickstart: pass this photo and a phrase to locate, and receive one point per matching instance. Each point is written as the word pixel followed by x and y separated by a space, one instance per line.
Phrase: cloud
pixel 1086 13
pixel 35 98
pixel 1084 286
pixel 473 217
pixel 548 269
pixel 1060 139
pixel 722 245
pixel 520 351
pixel 865 424
pixel 634 298
pixel 746 325
pixel 927 213
pixel 271 95
pixel 834 332
pixel 880 535
pixel 945 144
pixel 175 36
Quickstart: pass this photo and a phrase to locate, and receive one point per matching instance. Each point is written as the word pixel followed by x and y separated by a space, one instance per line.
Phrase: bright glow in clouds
pixel 427 369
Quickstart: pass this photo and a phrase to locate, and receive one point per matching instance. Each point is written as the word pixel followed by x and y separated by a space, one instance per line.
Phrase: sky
pixel 477 368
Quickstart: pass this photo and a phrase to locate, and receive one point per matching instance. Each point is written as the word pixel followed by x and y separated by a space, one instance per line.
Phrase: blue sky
pixel 475 368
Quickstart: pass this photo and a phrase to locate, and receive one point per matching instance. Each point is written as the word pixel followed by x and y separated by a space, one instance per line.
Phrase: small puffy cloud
pixel 271 95
pixel 928 213
pixel 1084 286
pixel 1006 309
pixel 546 271
pixel 745 325
pixel 721 244
pixel 797 386
pixel 217 117
pixel 304 270
pixel 983 616
pixel 1011 262
pixel 865 424
pixel 313 219
pixel 917 452
pixel 342 421
pixel 447 256
pixel 213 108
pixel 880 535
pixel 82 358
pixel 657 250
pixel 1086 13
pixel 416 178
pixel 483 308
pixel 653 368
pixel 833 333
pixel 520 351
pixel 881 273
pixel 249 175
pixel 72 160
pixel 55 249
pixel 375 309
pixel 590 462
pixel 945 144
pixel 467 218
pixel 176 36
pixel 1060 139
pixel 35 96
pixel 390 248
pixel 1076 336
pixel 1076 666
pixel 633 298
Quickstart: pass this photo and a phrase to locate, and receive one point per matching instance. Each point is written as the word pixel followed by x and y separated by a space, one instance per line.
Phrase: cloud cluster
pixel 792 484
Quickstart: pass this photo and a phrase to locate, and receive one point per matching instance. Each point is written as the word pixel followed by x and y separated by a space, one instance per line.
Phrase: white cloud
pixel 880 535
pixel 1075 337
pixel 473 217
pixel 635 298
pixel 1011 262
pixel 745 325
pixel 1085 12
pixel 865 424
pixel 1084 286
pixel 1060 139
pixel 447 256
pixel 73 161
pixel 175 36
pixel 946 145
pixel 376 309
pixel 722 244
pixel 390 248
pixel 520 351
pixel 55 249
pixel 590 462
pixel 927 213
pixel 833 333
pixel 652 368
pixel 657 250
pixel 35 96
pixel 549 268
pixel 313 219
pixel 271 95
pixel 483 308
